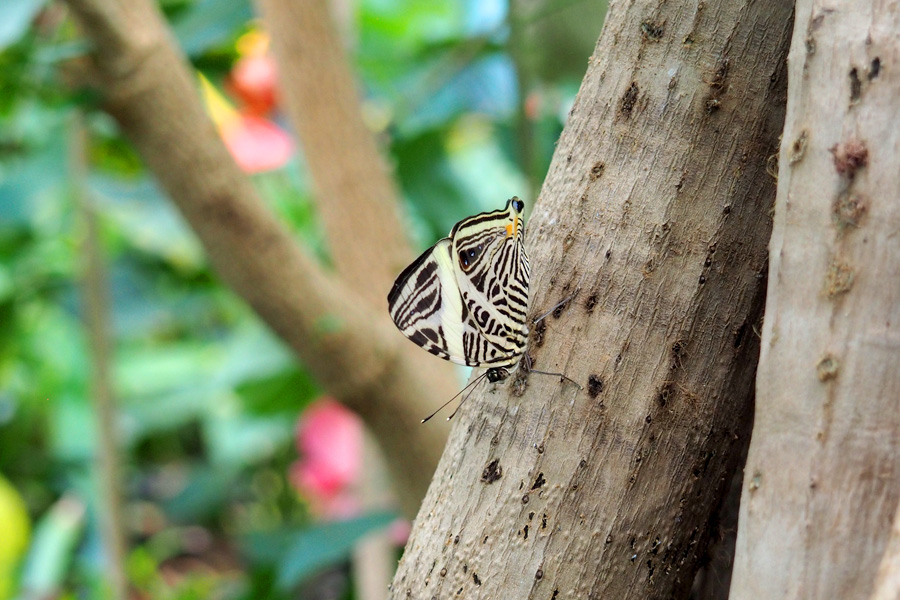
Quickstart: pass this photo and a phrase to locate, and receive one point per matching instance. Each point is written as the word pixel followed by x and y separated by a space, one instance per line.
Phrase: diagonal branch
pixel 351 349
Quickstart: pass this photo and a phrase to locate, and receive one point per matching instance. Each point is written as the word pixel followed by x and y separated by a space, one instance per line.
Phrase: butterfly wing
pixel 426 307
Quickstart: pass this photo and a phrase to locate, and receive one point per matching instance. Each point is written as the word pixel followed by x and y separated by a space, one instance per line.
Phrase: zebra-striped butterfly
pixel 465 299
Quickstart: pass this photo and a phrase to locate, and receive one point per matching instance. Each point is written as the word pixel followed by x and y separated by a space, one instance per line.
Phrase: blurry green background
pixel 467 97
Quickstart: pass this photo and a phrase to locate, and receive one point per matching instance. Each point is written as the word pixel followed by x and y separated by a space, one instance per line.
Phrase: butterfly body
pixel 465 299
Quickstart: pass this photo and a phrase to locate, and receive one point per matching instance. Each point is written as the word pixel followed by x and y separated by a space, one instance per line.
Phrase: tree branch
pixel 355 195
pixel 824 462
pixel 351 348
pixel 96 316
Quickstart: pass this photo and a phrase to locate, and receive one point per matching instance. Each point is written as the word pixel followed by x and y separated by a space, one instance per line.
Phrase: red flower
pixel 253 79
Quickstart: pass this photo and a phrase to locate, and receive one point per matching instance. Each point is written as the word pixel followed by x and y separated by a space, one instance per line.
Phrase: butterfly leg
pixel 526 363
pixel 562 302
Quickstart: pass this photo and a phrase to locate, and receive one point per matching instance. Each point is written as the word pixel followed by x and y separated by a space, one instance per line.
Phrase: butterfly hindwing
pixel 425 304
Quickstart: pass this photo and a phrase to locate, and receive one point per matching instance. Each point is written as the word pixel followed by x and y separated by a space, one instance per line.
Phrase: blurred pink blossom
pixel 257 144
pixel 329 438
pixel 398 531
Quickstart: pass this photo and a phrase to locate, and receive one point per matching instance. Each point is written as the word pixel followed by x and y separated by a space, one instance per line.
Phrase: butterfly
pixel 465 299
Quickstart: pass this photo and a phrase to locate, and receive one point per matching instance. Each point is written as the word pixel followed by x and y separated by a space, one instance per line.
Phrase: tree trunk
pixel 887 583
pixel 655 214
pixel 822 475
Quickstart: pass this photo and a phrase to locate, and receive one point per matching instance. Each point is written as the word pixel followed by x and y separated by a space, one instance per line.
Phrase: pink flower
pixel 329 438
pixel 398 531
pixel 257 144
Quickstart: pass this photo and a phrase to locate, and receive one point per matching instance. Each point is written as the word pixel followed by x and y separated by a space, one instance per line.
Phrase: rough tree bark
pixel 352 349
pixel 823 474
pixel 887 583
pixel 656 210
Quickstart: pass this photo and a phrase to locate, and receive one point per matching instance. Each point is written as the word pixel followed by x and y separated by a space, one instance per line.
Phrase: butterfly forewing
pixel 465 299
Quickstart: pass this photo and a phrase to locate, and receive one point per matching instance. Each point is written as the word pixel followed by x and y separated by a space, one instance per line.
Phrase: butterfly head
pixel 497 374
pixel 516 209
pixel 479 240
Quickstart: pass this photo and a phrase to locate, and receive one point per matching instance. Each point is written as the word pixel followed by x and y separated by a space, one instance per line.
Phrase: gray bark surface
pixel 822 479
pixel 656 211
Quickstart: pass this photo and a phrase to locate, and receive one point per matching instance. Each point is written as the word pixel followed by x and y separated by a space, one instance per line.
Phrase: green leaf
pixel 15 19
pixel 207 490
pixel 429 182
pixel 298 554
pixel 284 392
pixel 53 547
pixel 253 352
pixel 234 439
pixel 485 86
pixel 23 182
pixel 148 220
pixel 152 371
pixel 73 429
pixel 211 22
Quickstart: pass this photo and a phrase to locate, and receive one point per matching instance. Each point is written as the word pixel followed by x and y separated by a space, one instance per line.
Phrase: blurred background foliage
pixel 234 487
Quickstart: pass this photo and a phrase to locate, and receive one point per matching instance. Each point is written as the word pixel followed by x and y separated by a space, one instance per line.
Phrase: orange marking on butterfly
pixel 512 227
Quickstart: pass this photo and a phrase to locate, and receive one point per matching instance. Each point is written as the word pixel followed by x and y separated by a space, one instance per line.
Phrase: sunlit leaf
pixel 485 173
pixel 487 85
pixel 72 429
pixel 53 545
pixel 16 531
pixel 15 18
pixel 239 440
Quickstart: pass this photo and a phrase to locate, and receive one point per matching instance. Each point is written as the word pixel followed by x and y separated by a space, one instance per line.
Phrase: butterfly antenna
pixel 455 396
pixel 562 302
pixel 458 406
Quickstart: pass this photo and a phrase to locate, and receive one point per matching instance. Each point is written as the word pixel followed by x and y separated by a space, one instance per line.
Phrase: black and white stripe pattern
pixel 466 298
